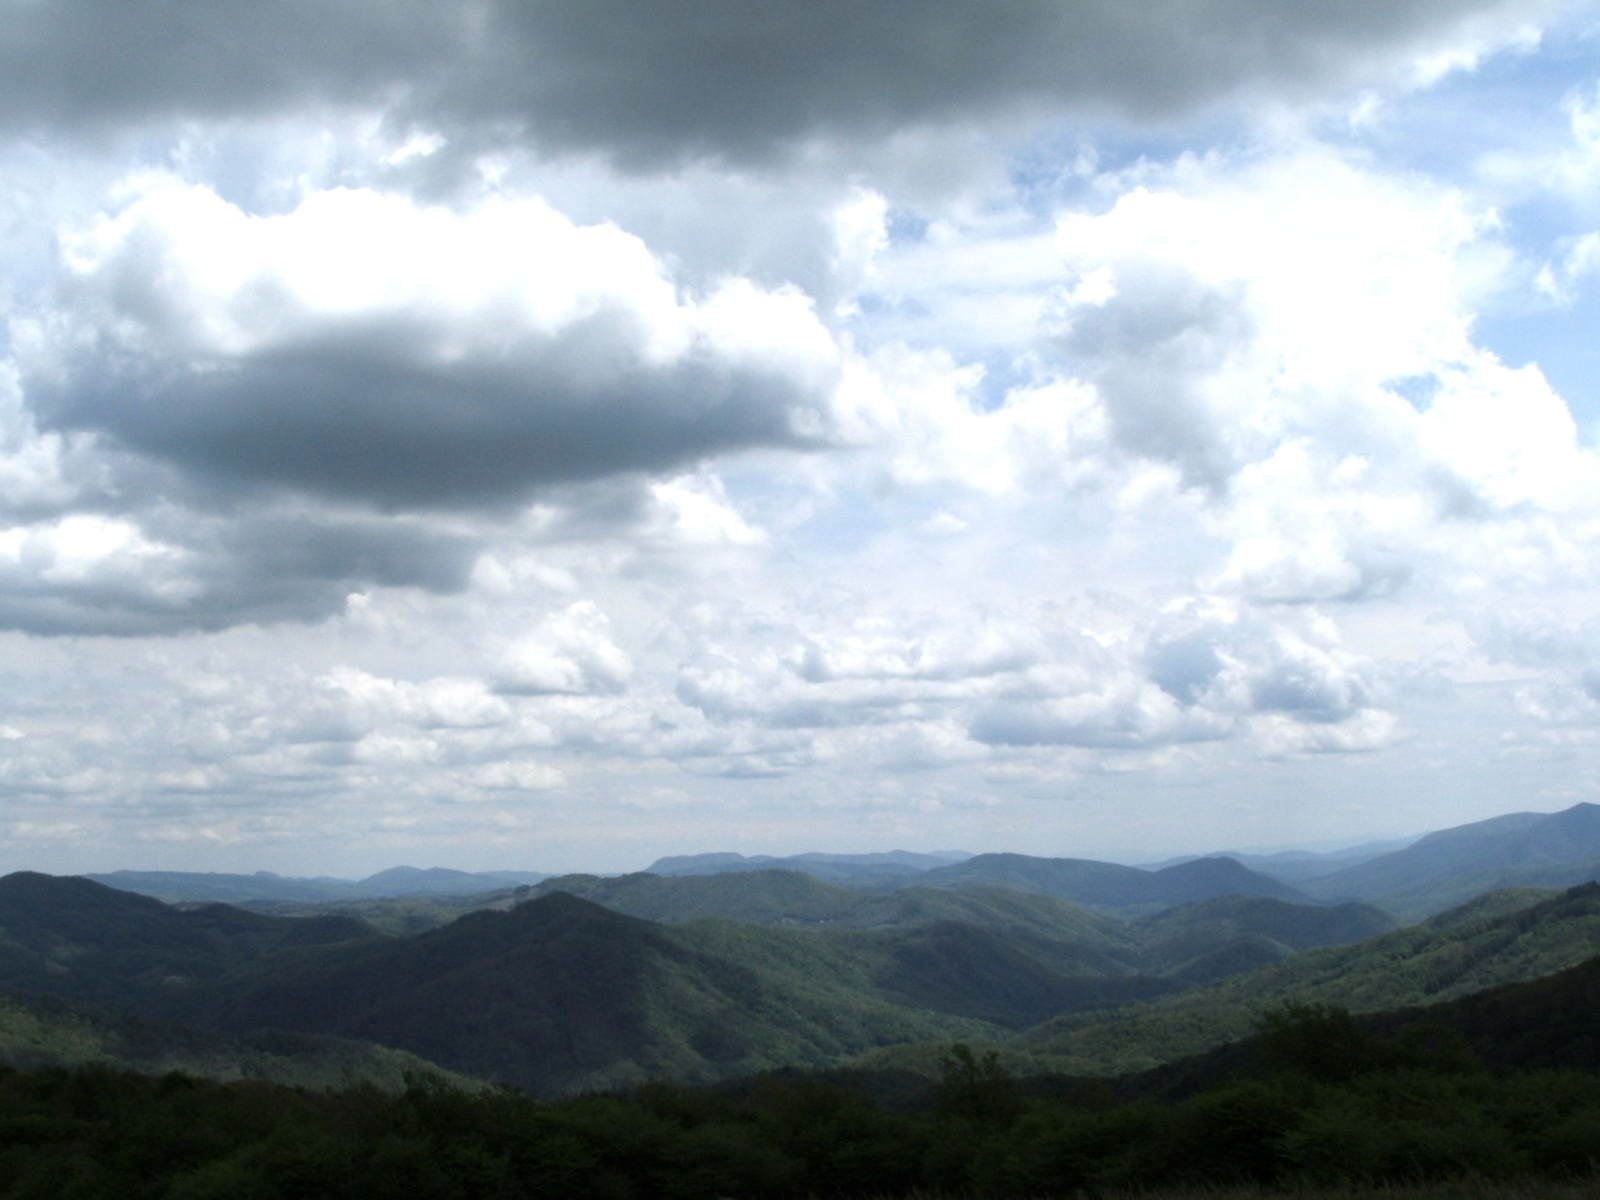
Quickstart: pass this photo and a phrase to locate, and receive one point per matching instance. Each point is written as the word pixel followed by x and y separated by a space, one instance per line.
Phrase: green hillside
pixel 1192 942
pixel 1177 940
pixel 1110 886
pixel 397 916
pixel 48 1032
pixel 1496 940
pixel 75 938
pixel 562 995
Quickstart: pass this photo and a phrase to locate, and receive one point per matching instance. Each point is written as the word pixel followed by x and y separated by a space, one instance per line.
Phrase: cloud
pixel 366 347
pixel 570 653
pixel 1121 714
pixel 737 79
pixel 1209 654
pixel 167 569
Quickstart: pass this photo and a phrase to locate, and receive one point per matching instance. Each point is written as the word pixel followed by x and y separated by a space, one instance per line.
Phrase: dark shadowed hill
pixel 76 938
pixel 562 995
pixel 1448 867
pixel 47 1031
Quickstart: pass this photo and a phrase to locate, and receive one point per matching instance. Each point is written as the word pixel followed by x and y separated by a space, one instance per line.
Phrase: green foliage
pixel 1494 942
pixel 102 1134
pixel 976 1087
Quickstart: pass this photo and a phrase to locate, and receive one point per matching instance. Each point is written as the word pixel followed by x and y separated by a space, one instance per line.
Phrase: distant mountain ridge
pixel 1295 866
pixel 559 994
pixel 201 887
pixel 838 868
pixel 1067 937
pixel 1111 886
pixel 1103 885
pixel 1448 867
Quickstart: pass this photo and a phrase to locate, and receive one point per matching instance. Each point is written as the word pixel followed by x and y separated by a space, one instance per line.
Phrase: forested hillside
pixel 1498 939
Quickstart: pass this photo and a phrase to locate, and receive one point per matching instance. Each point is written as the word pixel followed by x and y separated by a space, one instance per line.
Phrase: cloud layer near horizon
pixel 553 436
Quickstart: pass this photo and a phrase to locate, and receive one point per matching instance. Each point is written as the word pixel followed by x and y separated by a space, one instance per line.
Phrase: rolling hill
pixel 1239 931
pixel 78 939
pixel 1110 886
pixel 561 995
pixel 1496 939
pixel 43 1031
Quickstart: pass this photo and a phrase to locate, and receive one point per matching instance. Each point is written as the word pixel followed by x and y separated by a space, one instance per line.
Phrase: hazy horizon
pixel 462 435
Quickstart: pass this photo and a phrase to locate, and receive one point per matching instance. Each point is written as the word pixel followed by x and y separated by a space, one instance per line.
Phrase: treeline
pixel 1325 1101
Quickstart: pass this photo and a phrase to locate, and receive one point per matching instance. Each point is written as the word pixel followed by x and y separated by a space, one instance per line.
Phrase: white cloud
pixel 570 653
pixel 416 354
pixel 1103 430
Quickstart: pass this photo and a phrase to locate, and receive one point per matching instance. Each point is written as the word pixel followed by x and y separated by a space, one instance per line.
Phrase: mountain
pixel 76 938
pixel 1242 931
pixel 558 994
pixel 1496 939
pixel 176 887
pixel 397 916
pixel 1111 886
pixel 561 995
pixel 858 869
pixel 790 899
pixel 441 881
pixel 44 1031
pixel 1227 935
pixel 1447 867
pixel 1294 866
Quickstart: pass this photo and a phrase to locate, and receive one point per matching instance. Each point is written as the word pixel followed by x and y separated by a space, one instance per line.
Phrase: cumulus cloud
pixel 570 653
pixel 1220 657
pixel 366 347
pixel 492 424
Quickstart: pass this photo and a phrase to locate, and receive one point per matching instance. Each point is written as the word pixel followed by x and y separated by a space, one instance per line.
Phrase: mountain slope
pixel 1067 936
pixel 40 1031
pixel 1177 934
pixel 561 995
pixel 75 938
pixel 1452 865
pixel 1495 940
pixel 1111 886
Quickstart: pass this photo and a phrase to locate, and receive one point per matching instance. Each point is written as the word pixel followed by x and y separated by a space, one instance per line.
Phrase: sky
pixel 541 435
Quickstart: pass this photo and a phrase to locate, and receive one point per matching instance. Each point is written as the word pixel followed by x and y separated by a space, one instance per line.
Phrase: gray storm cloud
pixel 654 80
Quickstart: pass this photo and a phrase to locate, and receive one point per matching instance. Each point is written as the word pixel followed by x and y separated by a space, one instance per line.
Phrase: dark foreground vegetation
pixel 1322 1102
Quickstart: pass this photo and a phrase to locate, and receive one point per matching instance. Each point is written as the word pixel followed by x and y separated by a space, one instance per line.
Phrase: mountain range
pixel 720 966
pixel 1450 866
pixel 1409 878
pixel 1499 938
pixel 200 887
